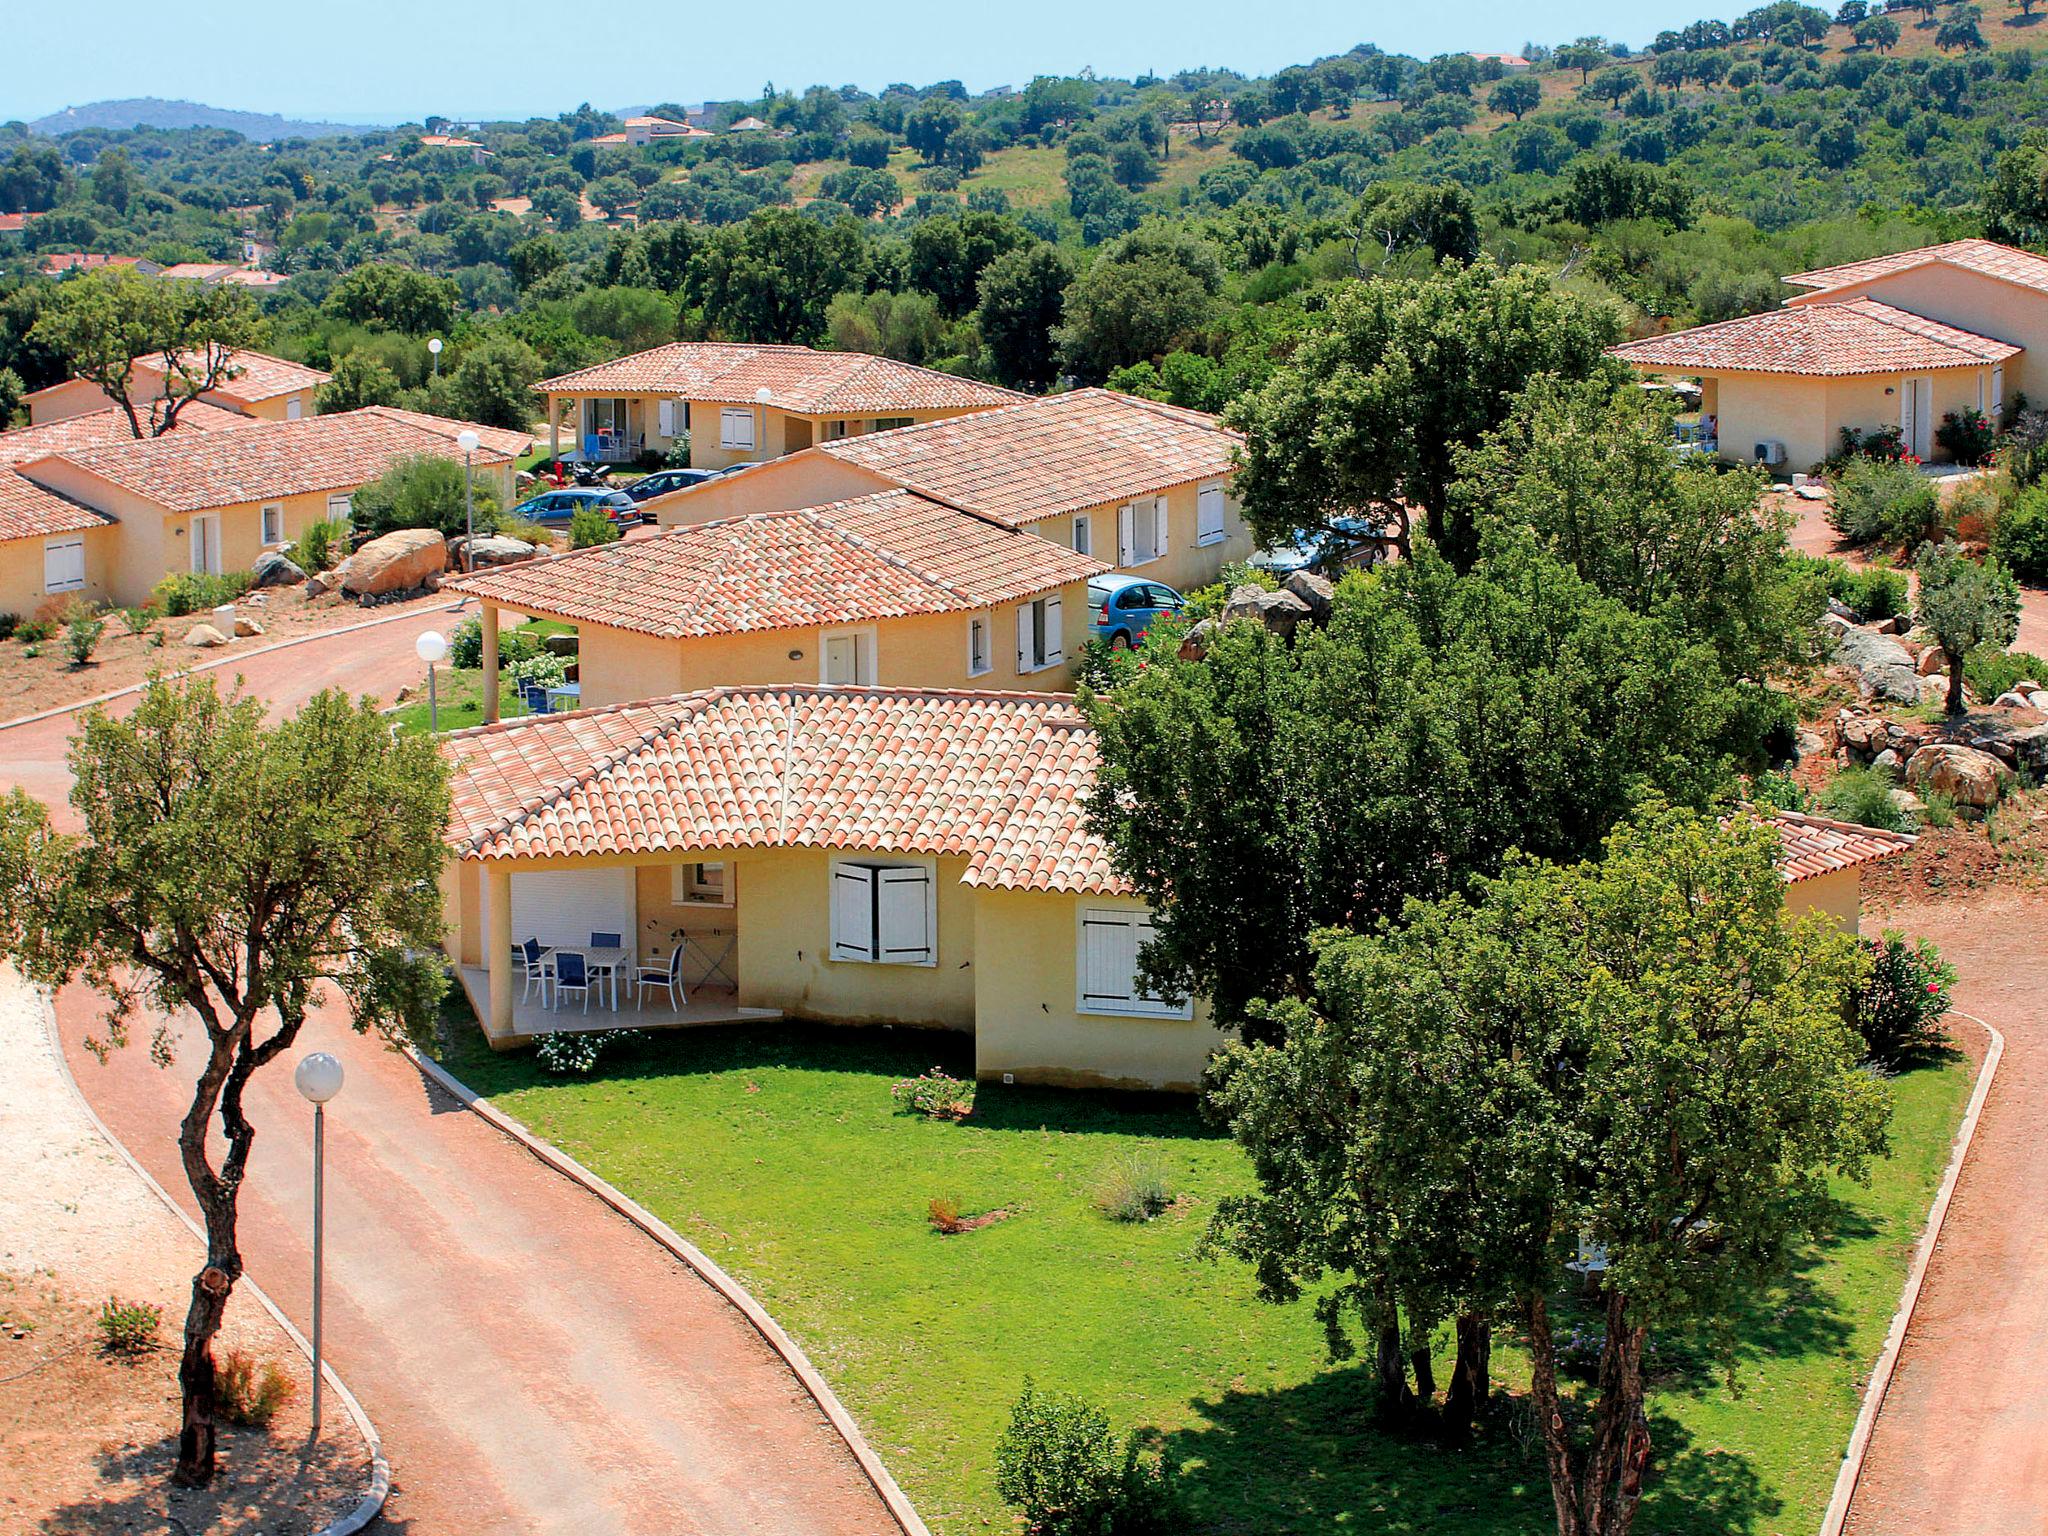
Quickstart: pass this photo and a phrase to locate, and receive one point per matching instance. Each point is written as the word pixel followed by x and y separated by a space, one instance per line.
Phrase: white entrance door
pixel 1916 415
pixel 843 661
pixel 206 544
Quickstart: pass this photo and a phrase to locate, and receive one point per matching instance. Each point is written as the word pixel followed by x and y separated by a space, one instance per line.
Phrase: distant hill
pixel 154 112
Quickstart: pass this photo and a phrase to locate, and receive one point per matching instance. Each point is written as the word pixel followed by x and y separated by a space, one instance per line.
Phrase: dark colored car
pixel 1125 607
pixel 662 481
pixel 1349 542
pixel 560 506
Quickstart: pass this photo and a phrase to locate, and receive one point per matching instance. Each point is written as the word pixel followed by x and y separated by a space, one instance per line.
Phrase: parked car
pixel 662 481
pixel 561 506
pixel 1350 542
pixel 1125 607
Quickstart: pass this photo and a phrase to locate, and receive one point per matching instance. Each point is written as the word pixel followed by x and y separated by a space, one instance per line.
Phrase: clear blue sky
pixel 395 60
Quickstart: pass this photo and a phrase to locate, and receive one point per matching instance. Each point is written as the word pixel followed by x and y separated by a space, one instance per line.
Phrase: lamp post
pixel 318 1077
pixel 467 440
pixel 431 646
pixel 434 349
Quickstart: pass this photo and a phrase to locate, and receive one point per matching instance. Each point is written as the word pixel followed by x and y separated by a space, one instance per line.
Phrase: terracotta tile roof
pixel 799 379
pixel 1819 340
pixel 447 141
pixel 883 556
pixel 265 460
pixel 494 439
pixel 27 511
pixel 1813 845
pixel 608 138
pixel 103 428
pixel 198 271
pixel 995 777
pixel 79 261
pixel 1043 457
pixel 11 223
pixel 258 376
pixel 1984 256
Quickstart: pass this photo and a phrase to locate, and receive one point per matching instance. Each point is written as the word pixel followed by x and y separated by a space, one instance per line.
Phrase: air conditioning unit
pixel 1769 453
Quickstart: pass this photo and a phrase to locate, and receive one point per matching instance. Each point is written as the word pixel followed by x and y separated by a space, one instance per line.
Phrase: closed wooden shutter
pixel 1209 514
pixel 1158 526
pixel 853 912
pixel 903 920
pixel 1126 530
pixel 1109 959
pixel 1054 631
pixel 64 565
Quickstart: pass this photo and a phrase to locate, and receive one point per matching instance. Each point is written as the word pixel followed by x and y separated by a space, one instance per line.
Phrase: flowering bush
pixel 1898 1008
pixel 1967 435
pixel 578 1052
pixel 935 1095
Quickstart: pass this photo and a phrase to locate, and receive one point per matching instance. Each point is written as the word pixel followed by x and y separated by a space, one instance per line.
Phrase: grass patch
pixel 461 700
pixel 778 1150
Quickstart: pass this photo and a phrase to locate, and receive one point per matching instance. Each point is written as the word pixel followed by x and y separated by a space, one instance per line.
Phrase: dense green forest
pixel 1167 234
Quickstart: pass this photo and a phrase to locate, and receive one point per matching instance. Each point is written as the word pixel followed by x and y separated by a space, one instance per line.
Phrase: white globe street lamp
pixel 467 441
pixel 431 647
pixel 434 349
pixel 318 1077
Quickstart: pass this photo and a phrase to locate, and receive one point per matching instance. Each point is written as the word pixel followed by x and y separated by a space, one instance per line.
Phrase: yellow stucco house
pixel 890 589
pixel 211 499
pixel 741 403
pixel 854 855
pixel 258 385
pixel 1143 487
pixel 1897 341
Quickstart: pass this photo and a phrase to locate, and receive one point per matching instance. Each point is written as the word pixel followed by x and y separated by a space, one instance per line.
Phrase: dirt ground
pixel 87 1439
pixel 31 684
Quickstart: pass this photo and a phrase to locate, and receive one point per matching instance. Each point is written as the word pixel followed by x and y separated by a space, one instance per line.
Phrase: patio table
pixel 573 692
pixel 607 962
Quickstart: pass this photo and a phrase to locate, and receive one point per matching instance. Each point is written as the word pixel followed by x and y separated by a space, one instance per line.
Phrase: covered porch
pixel 615 428
pixel 532 1017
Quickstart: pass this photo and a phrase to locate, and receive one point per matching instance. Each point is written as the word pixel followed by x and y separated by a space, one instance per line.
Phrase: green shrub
pixel 138 619
pixel 1967 435
pixel 527 533
pixel 466 645
pixel 196 591
pixel 424 491
pixel 1880 501
pixel 934 1095
pixel 2020 537
pixel 589 528
pixel 82 632
pixel 562 1052
pixel 9 623
pixel 128 1327
pixel 34 631
pixel 1941 809
pixel 250 1396
pixel 320 545
pixel 1990 671
pixel 1779 791
pixel 1899 1006
pixel 1864 796
pixel 1067 1470
pixel 1135 1187
pixel 1873 593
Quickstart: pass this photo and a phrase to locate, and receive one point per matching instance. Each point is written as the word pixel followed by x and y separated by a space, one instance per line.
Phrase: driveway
pixel 1962 1440
pixel 532 1361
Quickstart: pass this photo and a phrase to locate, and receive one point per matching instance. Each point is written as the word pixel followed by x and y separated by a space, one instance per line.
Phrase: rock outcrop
pixel 399 561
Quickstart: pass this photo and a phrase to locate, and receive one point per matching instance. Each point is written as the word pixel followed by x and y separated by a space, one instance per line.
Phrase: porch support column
pixel 490 662
pixel 554 427
pixel 498 944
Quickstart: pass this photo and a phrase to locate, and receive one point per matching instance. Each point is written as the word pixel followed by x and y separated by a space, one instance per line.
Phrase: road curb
pixel 1888 1360
pixel 222 661
pixel 372 1502
pixel 821 1393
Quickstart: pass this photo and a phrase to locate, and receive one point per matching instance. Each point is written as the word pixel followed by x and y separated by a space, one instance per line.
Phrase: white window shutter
pixel 1126 532
pixel 1024 636
pixel 63 565
pixel 1158 525
pixel 853 912
pixel 1109 958
pixel 904 917
pixel 1055 632
pixel 667 418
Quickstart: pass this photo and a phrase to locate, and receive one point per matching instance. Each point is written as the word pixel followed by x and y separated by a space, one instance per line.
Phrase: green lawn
pixel 777 1150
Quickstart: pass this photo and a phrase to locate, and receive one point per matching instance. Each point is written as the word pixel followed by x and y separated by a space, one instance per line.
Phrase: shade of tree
pixel 1963 603
pixel 229 871
pixel 1367 415
pixel 1267 790
pixel 1646 1054
pixel 188 333
pixel 1021 302
pixel 1515 96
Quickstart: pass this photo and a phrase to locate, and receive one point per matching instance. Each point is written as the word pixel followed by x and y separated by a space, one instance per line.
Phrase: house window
pixel 1209 515
pixel 890 423
pixel 1038 634
pixel 979 648
pixel 846 657
pixel 1997 394
pixel 667 416
pixel 701 885
pixel 1084 536
pixel 832 431
pixel 273 522
pixel 63 565
pixel 1141 531
pixel 1106 965
pixel 736 429
pixel 341 509
pixel 294 408
pixel 885 914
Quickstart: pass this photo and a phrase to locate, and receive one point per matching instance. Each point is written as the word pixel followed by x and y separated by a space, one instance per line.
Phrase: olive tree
pixel 232 871
pixel 1964 603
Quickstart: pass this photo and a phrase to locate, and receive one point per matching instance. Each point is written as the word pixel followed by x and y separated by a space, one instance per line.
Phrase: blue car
pixel 560 506
pixel 662 481
pixel 1125 607
pixel 1349 542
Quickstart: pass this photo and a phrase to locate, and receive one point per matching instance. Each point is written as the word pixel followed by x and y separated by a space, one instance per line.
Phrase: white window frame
pixel 857 900
pixel 730 419
pixel 690 885
pixel 198 540
pixel 272 532
pixel 866 658
pixel 1211 501
pixel 1129 518
pixel 981 658
pixel 64 545
pixel 1084 534
pixel 1125 1005
pixel 1041 636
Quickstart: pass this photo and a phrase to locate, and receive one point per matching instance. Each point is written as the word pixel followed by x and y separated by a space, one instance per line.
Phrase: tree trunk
pixel 1425 1371
pixel 1471 1374
pixel 196 1380
pixel 1395 1397
pixel 1611 1485
pixel 1955 682
pixel 1557 1450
